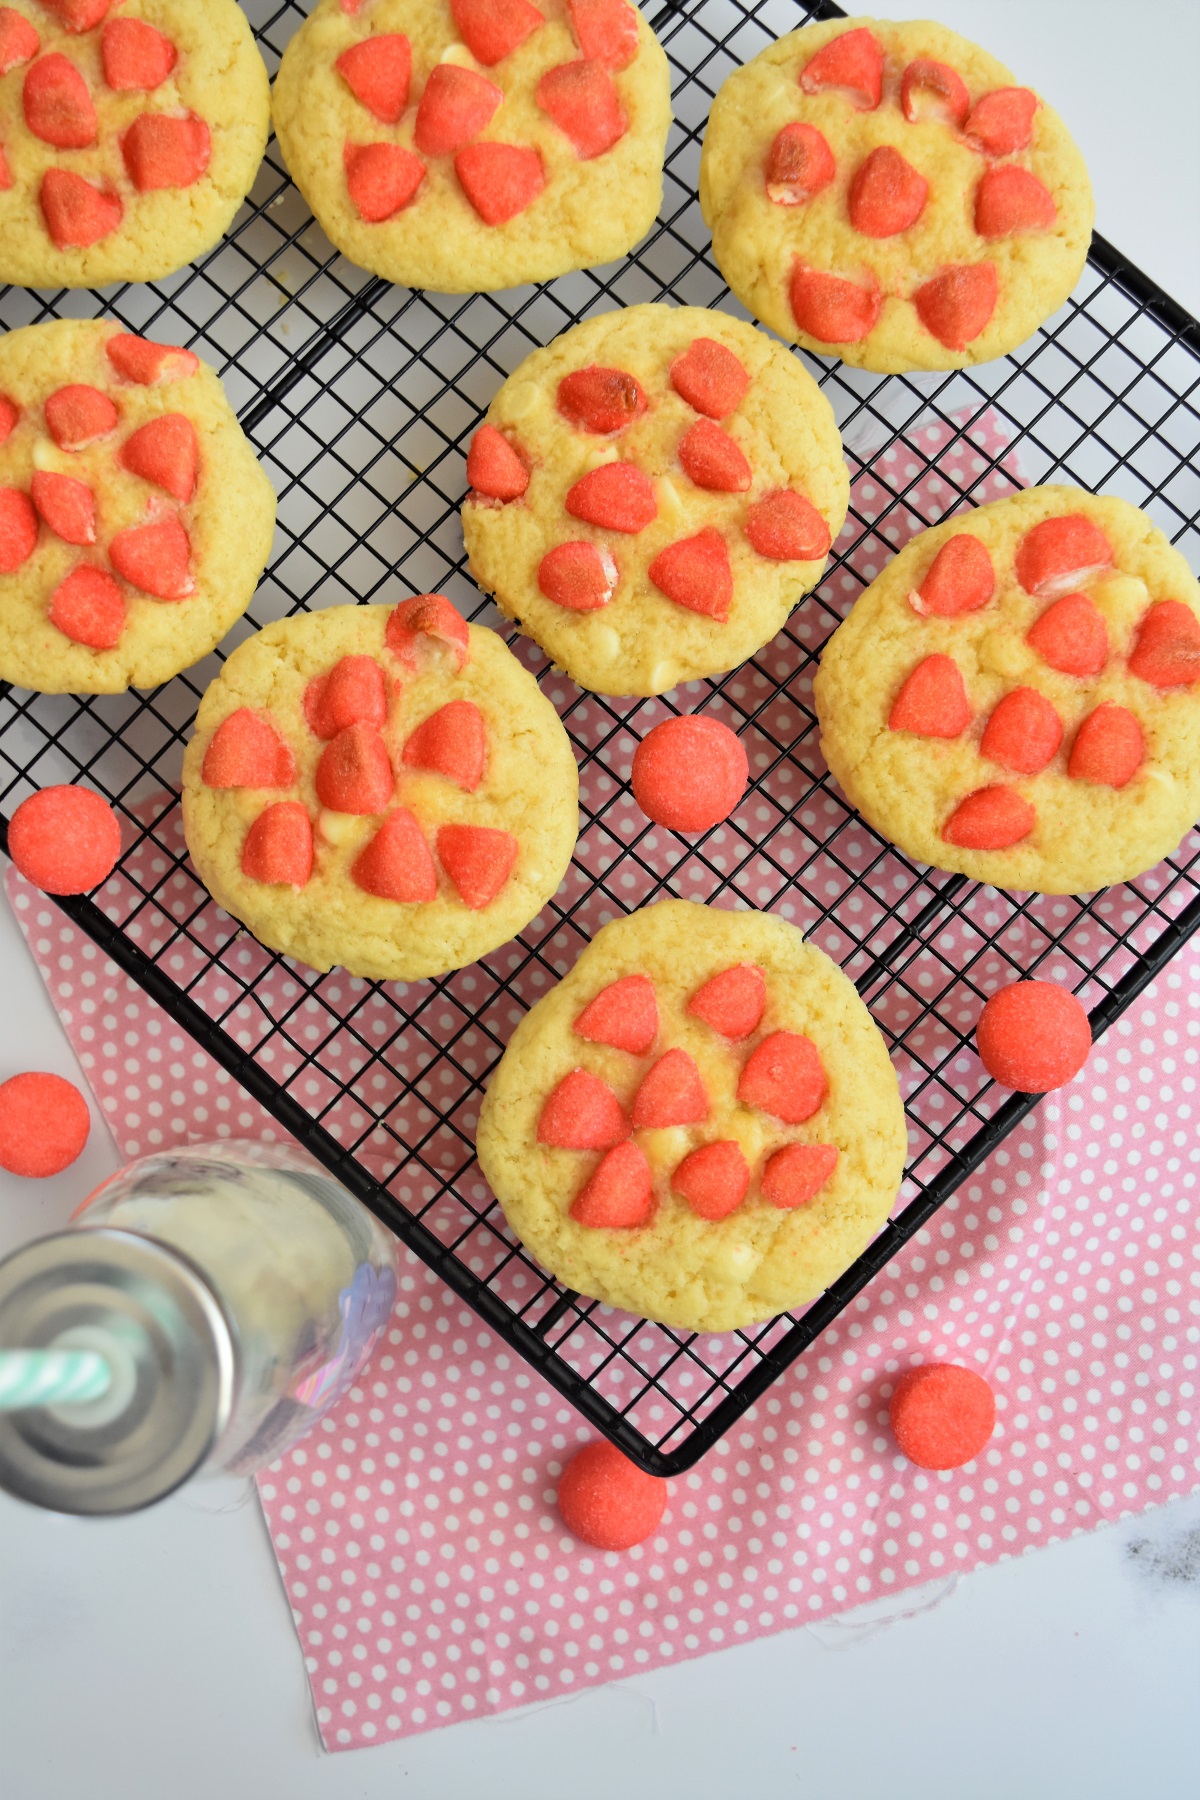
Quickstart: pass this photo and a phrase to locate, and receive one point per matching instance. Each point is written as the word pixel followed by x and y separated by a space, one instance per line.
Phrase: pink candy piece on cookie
pixel 452 742
pixel 1166 651
pixel 79 415
pixel 1109 747
pixel 609 1502
pixel 428 622
pixel 581 99
pixel 956 305
pixel 18 529
pixel 66 506
pixel 853 62
pixel 354 692
pixel 960 579
pixel 154 559
pixel 19 41
pixel 615 497
pixel 933 700
pixel 786 527
pixel 479 860
pixel 796 1173
pixel 494 468
pixel 713 460
pixel 714 1179
pixel 137 359
pixel 991 818
pixel 689 773
pixel 582 1113
pixel 456 106
pixel 377 70
pixel 605 30
pixel 44 1124
pixel 493 29
pixel 696 574
pixel 88 607
pixel 600 400
pixel 162 151
pixel 164 452
pixel 624 1014
pixel 500 180
pixel 733 1002
pixel 279 846
pixel 354 774
pixel 942 1415
pixel 1033 1036
pixel 1002 121
pixel 135 55
pixel 672 1093
pixel 66 840
pixel 579 576
pixel 397 864
pixel 710 378
pixel 620 1195
pixel 784 1077
pixel 381 179
pixel 1071 636
pixel 247 751
pixel 1060 554
pixel 76 212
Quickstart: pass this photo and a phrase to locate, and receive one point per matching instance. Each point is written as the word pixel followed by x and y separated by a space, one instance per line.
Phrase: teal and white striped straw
pixel 51 1378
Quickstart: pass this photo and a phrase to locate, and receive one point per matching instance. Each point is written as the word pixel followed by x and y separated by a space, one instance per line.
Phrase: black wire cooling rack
pixel 361 399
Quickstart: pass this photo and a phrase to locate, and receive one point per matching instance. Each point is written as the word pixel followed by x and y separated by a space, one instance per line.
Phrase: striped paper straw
pixel 51 1378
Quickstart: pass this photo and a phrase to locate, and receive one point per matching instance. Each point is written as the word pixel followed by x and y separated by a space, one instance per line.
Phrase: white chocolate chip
pixel 670 501
pixel 457 53
pixel 340 828
pixel 48 457
pixel 732 1261
pixel 605 453
pixel 662 677
pixel 520 401
pixel 606 643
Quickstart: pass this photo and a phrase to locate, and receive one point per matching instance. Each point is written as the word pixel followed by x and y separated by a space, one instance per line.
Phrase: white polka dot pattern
pixel 430 1577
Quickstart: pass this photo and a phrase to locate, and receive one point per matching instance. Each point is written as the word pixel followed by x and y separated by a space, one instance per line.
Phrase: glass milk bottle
pixel 233 1290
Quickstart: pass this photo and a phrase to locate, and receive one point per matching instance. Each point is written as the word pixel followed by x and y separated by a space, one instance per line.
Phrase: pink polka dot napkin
pixel 430 1577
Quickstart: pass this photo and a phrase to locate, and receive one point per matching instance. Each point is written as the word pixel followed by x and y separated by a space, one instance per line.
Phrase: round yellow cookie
pixel 469 187
pixel 693 1270
pixel 94 421
pixel 881 192
pixel 703 579
pixel 1068 696
pixel 453 784
pixel 130 136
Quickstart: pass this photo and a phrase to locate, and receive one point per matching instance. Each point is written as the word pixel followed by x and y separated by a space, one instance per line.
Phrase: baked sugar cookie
pixel 883 192
pixel 652 494
pixel 135 520
pixel 464 145
pixel 130 133
pixel 1017 696
pixel 700 1123
pixel 380 787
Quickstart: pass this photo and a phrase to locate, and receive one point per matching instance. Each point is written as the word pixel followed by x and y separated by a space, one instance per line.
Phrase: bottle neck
pixel 152 1315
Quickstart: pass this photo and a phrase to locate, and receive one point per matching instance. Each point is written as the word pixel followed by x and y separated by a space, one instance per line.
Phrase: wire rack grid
pixel 360 399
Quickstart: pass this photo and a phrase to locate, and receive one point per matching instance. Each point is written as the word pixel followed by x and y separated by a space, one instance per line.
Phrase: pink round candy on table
pixel 1033 1036
pixel 66 840
pixel 609 1502
pixel 44 1124
pixel 942 1415
pixel 689 773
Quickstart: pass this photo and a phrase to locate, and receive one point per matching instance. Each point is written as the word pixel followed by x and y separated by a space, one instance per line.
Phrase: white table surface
pixel 154 1656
